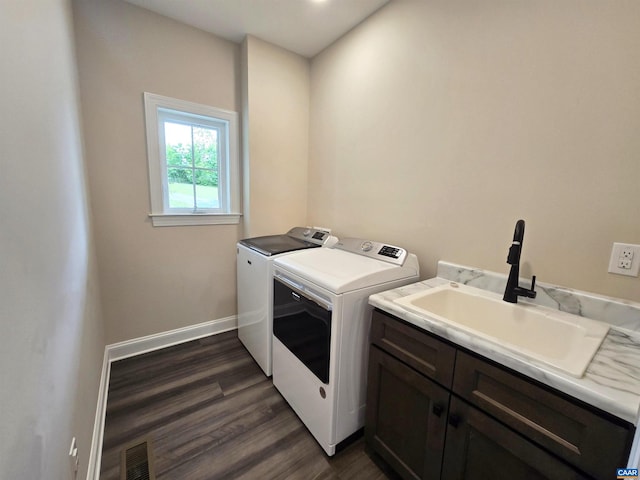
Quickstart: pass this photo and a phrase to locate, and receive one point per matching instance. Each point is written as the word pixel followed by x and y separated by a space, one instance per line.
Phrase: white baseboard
pixel 95 455
pixel 138 346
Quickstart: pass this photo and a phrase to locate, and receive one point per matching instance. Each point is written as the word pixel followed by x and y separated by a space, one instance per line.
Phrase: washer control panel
pixel 388 251
pixel 380 251
pixel 312 235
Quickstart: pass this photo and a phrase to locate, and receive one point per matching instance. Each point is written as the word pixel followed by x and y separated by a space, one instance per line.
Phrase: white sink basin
pixel 562 340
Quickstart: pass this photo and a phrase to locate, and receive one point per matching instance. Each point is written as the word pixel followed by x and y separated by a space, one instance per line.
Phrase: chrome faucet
pixel 514 290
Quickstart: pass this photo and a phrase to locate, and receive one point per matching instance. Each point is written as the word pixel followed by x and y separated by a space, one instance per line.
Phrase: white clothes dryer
pixel 321 320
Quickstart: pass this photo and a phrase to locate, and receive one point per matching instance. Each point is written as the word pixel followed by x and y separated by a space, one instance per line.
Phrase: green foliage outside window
pixel 202 162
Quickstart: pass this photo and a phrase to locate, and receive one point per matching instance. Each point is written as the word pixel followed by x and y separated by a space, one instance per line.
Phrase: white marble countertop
pixel 612 380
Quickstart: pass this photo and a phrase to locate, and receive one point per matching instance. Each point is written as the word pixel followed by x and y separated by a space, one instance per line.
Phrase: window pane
pixel 205 143
pixel 180 187
pixel 207 188
pixel 207 196
pixel 177 139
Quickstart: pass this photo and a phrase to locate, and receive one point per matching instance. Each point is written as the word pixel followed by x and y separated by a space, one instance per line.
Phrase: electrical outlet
pixel 625 259
pixel 624 263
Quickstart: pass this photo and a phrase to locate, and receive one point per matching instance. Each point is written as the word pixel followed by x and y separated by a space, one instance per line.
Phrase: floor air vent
pixel 137 461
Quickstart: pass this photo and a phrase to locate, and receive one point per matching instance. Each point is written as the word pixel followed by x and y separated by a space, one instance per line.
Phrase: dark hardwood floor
pixel 212 414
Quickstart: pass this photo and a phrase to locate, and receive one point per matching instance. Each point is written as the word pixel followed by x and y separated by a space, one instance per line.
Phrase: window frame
pixel 158 107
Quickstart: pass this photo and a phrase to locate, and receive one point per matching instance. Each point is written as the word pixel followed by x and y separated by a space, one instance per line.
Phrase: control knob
pixel 366 246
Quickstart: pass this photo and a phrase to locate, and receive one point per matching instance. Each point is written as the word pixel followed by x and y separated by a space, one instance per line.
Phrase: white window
pixel 193 159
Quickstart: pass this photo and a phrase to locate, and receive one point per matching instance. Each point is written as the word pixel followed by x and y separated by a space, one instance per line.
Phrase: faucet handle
pixel 533 283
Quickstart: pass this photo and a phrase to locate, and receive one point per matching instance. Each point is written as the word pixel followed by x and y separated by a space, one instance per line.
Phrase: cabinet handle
pixel 454 420
pixel 437 410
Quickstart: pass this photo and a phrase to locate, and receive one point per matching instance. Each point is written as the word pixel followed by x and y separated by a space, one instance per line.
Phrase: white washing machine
pixel 255 286
pixel 321 320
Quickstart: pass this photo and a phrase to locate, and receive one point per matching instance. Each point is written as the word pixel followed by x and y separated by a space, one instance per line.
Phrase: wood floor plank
pixel 149 417
pixel 212 414
pixel 171 379
pixel 231 421
pixel 230 459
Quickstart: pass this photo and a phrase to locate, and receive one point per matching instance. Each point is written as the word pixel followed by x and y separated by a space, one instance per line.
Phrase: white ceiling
pixel 302 26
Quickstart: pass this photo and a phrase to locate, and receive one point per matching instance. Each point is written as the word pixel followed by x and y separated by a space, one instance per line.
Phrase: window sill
pixel 174 220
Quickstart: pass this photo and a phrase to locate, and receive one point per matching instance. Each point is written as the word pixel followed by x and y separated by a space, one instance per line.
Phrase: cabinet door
pixel 406 417
pixel 479 447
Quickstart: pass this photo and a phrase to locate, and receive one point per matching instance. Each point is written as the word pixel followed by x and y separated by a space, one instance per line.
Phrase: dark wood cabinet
pixel 591 441
pixel 436 411
pixel 425 353
pixel 481 448
pixel 406 417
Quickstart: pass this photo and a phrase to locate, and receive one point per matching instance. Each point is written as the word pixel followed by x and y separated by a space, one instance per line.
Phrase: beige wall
pixel 51 340
pixel 162 278
pixel 276 136
pixel 436 125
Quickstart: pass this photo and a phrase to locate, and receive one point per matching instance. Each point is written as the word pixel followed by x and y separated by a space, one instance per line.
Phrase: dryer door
pixel 304 328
